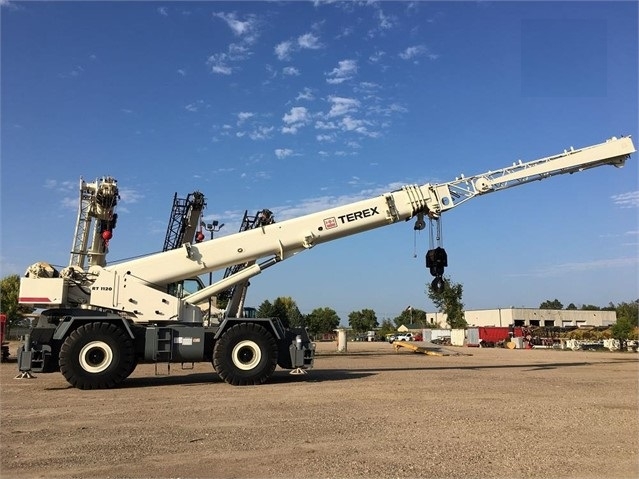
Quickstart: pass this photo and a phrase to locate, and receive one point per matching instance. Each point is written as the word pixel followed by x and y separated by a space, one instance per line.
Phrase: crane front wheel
pixel 97 355
pixel 245 354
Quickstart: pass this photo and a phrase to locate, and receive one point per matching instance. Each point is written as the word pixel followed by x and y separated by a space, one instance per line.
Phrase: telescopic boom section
pixel 614 152
pixel 275 242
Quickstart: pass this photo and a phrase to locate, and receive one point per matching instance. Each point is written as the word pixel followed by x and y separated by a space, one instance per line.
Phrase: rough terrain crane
pixel 102 321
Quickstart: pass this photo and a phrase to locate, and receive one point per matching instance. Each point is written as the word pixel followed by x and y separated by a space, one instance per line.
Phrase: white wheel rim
pixel 246 355
pixel 96 356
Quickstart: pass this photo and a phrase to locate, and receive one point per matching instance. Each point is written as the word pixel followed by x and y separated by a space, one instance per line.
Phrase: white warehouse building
pixel 531 317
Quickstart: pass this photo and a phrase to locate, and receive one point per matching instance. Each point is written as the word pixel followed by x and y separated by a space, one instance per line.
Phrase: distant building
pixel 405 328
pixel 531 317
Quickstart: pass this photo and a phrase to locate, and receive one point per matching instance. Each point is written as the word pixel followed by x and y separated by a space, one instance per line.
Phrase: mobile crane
pixel 100 322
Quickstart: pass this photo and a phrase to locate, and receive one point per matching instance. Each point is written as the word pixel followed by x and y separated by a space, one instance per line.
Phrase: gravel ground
pixel 369 413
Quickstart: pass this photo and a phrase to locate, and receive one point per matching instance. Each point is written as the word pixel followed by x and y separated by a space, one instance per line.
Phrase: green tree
pixel 589 307
pixel 266 310
pixel 283 308
pixel 386 327
pixel 449 301
pixel 9 289
pixel 554 304
pixel 362 321
pixel 322 320
pixel 628 310
pixel 627 321
pixel 413 316
pixel 294 318
pixel 571 307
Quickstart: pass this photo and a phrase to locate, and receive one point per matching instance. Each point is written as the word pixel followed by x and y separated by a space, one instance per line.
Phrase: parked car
pixel 403 337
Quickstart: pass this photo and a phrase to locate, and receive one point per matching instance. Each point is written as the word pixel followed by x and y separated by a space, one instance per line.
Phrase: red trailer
pixel 491 336
pixel 5 345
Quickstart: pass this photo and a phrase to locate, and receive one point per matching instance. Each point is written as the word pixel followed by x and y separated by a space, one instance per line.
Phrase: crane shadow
pixel 331 375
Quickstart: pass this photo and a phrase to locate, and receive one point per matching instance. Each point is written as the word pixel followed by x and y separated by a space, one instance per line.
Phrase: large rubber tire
pixel 97 355
pixel 245 354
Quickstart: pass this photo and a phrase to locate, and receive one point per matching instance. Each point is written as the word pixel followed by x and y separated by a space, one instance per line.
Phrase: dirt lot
pixel 369 413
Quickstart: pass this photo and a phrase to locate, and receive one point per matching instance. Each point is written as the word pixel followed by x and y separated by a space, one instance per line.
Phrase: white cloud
pixel 291 71
pixel 359 126
pixel 163 11
pixel 327 138
pixel 222 69
pixel 61 186
pixel 283 152
pixel 298 114
pixel 76 71
pixel 310 41
pixel 369 86
pixel 292 129
pixel 306 94
pixel 386 22
pixel 376 56
pixel 191 107
pixel 325 125
pixel 69 203
pixel 261 133
pixel 345 70
pixel 243 116
pixel 577 267
pixel 626 200
pixel 238 51
pixel 351 124
pixel 129 195
pixel 387 110
pixel 238 27
pixel 218 62
pixel 417 51
pixel 346 31
pixel 342 106
pixel 181 72
pixel 412 52
pixel 283 50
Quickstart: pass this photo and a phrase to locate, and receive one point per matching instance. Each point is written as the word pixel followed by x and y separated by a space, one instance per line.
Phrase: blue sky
pixel 300 106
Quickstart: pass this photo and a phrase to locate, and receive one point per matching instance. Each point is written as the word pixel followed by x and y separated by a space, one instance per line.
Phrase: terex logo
pixel 358 215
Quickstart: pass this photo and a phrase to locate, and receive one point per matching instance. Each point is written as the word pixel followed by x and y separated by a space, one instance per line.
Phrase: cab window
pixel 185 287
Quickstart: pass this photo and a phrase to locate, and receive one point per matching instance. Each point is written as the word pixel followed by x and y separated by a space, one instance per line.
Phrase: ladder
pixel 184 220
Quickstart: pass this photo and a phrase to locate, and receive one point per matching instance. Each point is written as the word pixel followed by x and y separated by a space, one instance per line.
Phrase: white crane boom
pixel 279 241
pixel 614 152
